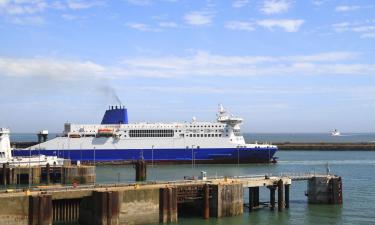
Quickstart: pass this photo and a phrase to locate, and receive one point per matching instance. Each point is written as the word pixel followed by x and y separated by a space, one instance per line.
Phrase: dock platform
pixel 159 202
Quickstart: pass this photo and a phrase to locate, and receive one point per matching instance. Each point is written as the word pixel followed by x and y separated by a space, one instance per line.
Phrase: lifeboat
pixel 105 132
pixel 74 135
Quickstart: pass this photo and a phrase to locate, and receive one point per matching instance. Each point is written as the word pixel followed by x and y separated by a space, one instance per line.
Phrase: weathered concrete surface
pixel 227 200
pixel 325 190
pixel 14 210
pixel 78 174
pixel 139 206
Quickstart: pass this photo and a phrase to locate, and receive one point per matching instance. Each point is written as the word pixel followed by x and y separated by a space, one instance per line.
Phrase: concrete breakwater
pixel 327 146
pixel 164 202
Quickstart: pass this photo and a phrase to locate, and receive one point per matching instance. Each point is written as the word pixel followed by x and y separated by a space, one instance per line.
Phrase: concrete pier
pixel 161 202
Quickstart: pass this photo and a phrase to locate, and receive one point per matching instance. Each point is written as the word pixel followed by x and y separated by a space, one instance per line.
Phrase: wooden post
pixel 280 195
pixel 206 204
pixel 272 196
pixel 251 198
pixel 287 186
pixel 140 170
pixel 4 174
pixel 48 174
pixel 167 205
pixel 40 210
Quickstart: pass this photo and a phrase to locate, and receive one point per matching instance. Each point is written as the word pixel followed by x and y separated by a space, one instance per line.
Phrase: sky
pixel 281 65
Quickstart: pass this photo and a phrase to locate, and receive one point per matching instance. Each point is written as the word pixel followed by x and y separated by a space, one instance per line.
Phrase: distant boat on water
pixel 335 132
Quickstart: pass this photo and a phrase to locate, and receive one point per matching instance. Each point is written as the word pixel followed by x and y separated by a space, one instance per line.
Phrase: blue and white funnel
pixel 115 115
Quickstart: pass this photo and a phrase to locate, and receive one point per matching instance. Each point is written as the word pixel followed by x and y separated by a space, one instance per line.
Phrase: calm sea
pixel 356 168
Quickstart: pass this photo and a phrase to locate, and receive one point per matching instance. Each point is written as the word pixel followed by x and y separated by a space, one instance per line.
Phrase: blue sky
pixel 282 65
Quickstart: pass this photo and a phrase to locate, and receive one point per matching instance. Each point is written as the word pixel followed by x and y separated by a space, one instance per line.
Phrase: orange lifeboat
pixel 105 132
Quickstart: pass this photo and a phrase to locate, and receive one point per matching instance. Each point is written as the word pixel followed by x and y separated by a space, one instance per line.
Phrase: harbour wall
pixel 153 203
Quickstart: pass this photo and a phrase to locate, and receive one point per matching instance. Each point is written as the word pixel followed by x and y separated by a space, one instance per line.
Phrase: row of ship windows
pixel 151 133
pixel 205 135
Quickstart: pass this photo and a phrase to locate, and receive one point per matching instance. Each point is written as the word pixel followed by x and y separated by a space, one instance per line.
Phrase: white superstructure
pixel 224 133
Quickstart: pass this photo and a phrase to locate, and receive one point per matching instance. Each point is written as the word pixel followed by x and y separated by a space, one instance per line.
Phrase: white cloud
pixel 240 3
pixel 28 20
pixel 287 25
pixel 20 7
pixel 368 35
pixel 140 2
pixel 239 25
pixel 142 27
pixel 206 64
pixel 199 18
pixel 275 6
pixel 197 64
pixel 167 24
pixel 346 8
pixel 365 29
pixel 80 4
pixel 51 68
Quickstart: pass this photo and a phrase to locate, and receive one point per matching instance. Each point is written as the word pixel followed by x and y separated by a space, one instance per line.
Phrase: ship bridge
pixel 223 117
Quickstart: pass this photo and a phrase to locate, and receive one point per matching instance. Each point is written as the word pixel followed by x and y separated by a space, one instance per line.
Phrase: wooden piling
pixel 256 196
pixel 280 195
pixel 168 205
pixel 251 198
pixel 272 197
pixel 140 170
pixel 206 204
pixel 48 174
pixel 287 186
pixel 4 173
pixel 40 210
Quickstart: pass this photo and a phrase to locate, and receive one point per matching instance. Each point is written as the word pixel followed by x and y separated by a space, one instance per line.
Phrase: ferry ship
pixel 157 143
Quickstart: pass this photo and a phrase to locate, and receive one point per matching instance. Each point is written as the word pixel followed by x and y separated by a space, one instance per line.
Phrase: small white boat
pixel 335 132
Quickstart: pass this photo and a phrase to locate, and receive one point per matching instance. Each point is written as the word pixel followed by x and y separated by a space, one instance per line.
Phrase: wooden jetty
pixel 159 202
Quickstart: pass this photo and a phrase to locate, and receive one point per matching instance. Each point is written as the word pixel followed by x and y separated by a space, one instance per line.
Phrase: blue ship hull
pixel 202 155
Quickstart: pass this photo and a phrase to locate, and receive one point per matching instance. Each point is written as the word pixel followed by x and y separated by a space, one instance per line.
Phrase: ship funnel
pixel 115 115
